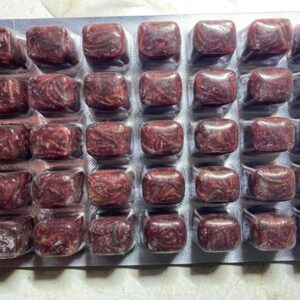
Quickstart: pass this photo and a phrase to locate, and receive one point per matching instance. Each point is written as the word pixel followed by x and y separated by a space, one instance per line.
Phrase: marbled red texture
pixel 218 232
pixel 216 136
pixel 163 186
pixel 57 189
pixel 162 137
pixel 215 87
pixel 108 140
pixel 217 184
pixel 110 188
pixel 14 143
pixel 54 93
pixel 165 233
pixel 56 142
pixel 106 91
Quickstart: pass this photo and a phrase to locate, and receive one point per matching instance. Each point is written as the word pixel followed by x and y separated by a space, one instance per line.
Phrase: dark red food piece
pixel 270 85
pixel 269 135
pixel 165 233
pixel 110 188
pixel 15 236
pixel 295 55
pixel 51 45
pixel 160 88
pixel 105 44
pixel 15 189
pixel 272 183
pixel 108 139
pixel 56 141
pixel 217 185
pixel 215 87
pixel 13 95
pixel 163 186
pixel 159 41
pixel 12 50
pixel 14 143
pixel 216 136
pixel 159 138
pixel 267 38
pixel 106 91
pixel 59 237
pixel 54 93
pixel 213 39
pixel 58 189
pixel 218 233
pixel 271 231
pixel 111 235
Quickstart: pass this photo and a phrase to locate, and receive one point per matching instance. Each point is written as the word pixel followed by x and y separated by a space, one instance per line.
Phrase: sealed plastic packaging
pixel 58 188
pixel 14 143
pixel 111 188
pixel 269 230
pixel 105 46
pixel 15 189
pixel 213 42
pixel 216 184
pixel 60 235
pixel 112 234
pixel 159 44
pixel 268 135
pixel 52 47
pixel 56 142
pixel 15 235
pixel 160 92
pixel 269 183
pixel 216 231
pixel 13 95
pixel 54 94
pixel 163 186
pixel 294 55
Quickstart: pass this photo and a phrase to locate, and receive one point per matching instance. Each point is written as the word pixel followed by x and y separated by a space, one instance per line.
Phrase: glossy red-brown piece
pixel 159 41
pixel 14 143
pixel 268 37
pixel 56 141
pixel 270 85
pixel 15 189
pixel 108 140
pixel 15 236
pixel 58 189
pixel 269 135
pixel 58 237
pixel 215 87
pixel 218 232
pixel 271 231
pixel 165 233
pixel 217 185
pixel 160 88
pixel 295 55
pixel 111 235
pixel 106 91
pixel 51 45
pixel 272 183
pixel 54 93
pixel 13 95
pixel 213 39
pixel 163 186
pixel 104 44
pixel 110 188
pixel 12 50
pixel 216 136
pixel 160 138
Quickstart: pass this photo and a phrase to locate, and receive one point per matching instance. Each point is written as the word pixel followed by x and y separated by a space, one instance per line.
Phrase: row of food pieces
pixel 159 138
pixel 161 233
pixel 160 186
pixel 105 44
pixel 159 91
